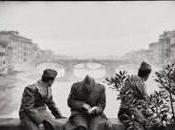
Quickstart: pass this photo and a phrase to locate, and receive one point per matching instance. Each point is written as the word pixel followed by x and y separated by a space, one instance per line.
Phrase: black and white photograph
pixel 87 65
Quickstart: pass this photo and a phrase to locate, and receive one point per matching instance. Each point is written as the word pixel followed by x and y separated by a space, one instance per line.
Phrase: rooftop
pixel 15 34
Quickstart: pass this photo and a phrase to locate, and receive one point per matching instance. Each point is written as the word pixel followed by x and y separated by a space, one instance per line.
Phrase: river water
pixel 60 90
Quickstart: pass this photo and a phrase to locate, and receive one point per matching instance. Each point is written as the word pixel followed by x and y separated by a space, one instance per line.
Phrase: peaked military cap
pixel 49 73
pixel 145 66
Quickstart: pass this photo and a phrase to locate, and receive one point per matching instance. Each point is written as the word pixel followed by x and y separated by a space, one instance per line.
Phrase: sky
pixel 89 29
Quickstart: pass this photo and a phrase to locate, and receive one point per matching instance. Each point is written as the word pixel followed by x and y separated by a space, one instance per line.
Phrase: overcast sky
pixel 87 29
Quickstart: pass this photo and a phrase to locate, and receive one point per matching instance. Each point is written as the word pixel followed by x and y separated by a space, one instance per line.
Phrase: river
pixel 60 93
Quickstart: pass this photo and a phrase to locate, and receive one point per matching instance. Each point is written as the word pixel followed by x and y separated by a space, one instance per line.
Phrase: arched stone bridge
pixel 69 65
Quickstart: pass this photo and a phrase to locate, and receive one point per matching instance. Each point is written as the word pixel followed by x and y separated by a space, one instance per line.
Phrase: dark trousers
pixel 82 122
pixel 30 125
pixel 125 117
pixel 80 128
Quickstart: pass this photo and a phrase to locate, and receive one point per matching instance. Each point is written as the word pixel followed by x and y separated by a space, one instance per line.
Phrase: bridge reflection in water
pixel 93 69
pixel 96 70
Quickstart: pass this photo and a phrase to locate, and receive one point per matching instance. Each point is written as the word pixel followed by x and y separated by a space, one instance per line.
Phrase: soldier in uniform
pixel 134 98
pixel 87 101
pixel 33 113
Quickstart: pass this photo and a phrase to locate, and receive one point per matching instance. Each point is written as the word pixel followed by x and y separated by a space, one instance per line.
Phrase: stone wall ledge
pixel 14 124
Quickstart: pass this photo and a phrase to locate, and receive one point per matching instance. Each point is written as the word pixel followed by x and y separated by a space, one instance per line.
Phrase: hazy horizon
pixel 89 29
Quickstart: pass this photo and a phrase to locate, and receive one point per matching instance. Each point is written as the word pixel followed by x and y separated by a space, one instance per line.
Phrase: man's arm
pixel 51 105
pixel 74 103
pixel 101 104
pixel 28 101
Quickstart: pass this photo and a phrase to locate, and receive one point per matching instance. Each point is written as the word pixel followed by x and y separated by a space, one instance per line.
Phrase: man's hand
pixel 93 110
pixel 41 126
pixel 87 107
pixel 108 124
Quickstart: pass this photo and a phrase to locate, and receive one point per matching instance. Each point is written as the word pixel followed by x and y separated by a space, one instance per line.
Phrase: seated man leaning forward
pixel 33 113
pixel 87 101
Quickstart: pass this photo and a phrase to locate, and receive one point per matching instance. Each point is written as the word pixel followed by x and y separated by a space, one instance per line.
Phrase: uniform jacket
pixel 133 91
pixel 78 97
pixel 133 98
pixel 94 97
pixel 33 102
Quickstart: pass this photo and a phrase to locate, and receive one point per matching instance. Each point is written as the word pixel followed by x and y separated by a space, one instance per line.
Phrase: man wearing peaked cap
pixel 134 98
pixel 33 113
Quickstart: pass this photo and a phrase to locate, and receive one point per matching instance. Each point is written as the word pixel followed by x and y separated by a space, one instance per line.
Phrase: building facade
pixel 44 56
pixel 163 51
pixel 159 53
pixel 18 50
pixel 3 61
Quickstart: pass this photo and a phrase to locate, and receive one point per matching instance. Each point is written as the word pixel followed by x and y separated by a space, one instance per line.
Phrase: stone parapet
pixel 14 124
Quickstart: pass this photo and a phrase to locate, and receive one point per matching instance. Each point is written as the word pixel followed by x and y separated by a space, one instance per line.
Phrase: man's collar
pixel 41 84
